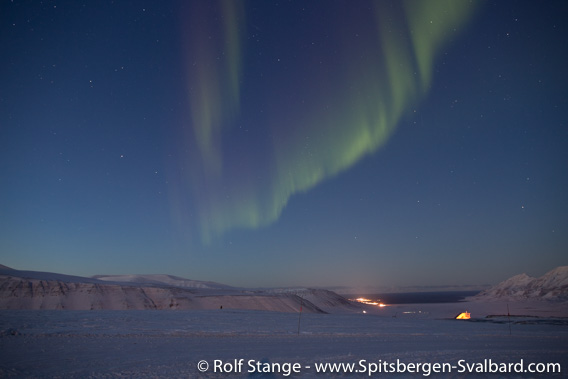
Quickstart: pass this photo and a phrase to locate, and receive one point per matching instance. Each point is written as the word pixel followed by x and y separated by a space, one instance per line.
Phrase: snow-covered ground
pixel 171 343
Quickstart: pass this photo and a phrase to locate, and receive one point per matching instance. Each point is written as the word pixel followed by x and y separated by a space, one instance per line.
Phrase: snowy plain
pixel 170 343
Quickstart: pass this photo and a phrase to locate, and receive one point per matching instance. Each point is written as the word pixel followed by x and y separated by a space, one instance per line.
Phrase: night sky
pixel 282 143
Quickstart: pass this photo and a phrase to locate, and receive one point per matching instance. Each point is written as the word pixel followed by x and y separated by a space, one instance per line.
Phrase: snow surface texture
pixel 43 290
pixel 552 286
pixel 169 344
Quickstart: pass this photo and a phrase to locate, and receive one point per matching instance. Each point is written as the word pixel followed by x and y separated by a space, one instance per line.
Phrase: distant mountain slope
pixel 552 286
pixel 167 280
pixel 328 301
pixel 44 290
pixel 42 275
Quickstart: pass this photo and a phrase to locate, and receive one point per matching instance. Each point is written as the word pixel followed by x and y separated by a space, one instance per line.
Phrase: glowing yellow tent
pixel 463 316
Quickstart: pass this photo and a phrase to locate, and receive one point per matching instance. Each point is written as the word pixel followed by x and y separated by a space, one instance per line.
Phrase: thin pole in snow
pixel 509 318
pixel 300 315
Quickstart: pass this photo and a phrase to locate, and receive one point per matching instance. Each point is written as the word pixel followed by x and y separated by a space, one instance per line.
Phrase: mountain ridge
pixel 161 279
pixel 20 289
pixel 552 286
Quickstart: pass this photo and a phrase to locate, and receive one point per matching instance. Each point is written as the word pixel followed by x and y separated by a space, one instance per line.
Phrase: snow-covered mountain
pixel 327 301
pixel 552 286
pixel 44 290
pixel 161 280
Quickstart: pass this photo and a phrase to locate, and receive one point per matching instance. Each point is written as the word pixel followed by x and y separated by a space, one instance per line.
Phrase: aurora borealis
pixel 353 110
pixel 260 143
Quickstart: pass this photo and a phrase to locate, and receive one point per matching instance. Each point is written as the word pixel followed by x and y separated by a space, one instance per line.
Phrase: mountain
pixel 161 280
pixel 45 290
pixel 328 301
pixel 552 286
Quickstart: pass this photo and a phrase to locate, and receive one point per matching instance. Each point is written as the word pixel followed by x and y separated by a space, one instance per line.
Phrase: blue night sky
pixel 282 143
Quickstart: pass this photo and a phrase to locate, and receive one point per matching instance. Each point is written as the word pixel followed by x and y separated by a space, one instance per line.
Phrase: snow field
pixel 169 344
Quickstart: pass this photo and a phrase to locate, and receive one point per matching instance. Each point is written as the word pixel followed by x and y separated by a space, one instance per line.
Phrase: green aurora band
pixel 361 107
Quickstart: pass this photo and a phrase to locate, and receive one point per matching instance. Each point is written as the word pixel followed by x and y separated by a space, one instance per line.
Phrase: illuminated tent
pixel 463 316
